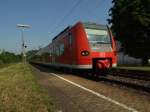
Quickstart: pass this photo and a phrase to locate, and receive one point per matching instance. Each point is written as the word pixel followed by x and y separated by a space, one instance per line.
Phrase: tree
pixel 8 57
pixel 130 21
pixel 30 54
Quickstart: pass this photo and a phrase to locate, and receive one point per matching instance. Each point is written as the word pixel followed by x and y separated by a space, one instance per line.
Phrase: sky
pixel 47 18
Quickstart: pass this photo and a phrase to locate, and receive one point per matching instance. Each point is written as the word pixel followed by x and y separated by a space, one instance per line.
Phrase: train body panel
pixel 82 46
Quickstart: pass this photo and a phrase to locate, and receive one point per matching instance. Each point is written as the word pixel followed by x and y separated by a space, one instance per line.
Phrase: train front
pixel 102 47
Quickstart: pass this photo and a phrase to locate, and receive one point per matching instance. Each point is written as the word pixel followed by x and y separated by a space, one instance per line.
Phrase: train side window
pixel 57 51
pixel 54 51
pixel 70 39
pixel 50 53
pixel 61 49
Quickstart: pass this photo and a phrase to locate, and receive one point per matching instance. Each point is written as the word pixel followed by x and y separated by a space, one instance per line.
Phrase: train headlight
pixel 85 53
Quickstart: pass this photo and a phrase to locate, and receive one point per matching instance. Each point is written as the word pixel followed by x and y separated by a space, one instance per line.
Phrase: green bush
pixel 8 57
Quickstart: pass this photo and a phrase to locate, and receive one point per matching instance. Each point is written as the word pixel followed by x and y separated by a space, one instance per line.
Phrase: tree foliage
pixel 8 57
pixel 130 21
pixel 31 53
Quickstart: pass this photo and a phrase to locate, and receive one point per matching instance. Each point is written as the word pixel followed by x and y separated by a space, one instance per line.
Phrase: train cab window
pixel 99 40
pixel 98 36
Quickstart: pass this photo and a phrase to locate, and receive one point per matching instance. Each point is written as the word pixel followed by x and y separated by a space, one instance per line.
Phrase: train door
pixel 53 54
pixel 71 49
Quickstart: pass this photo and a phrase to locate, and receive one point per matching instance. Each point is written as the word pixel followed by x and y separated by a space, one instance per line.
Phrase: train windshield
pixel 98 36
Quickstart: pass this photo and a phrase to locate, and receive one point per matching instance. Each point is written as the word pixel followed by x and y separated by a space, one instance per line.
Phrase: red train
pixel 82 46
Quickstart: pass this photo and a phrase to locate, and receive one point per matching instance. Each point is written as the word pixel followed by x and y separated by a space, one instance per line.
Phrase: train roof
pixel 86 25
pixel 66 29
pixel 94 25
pixel 43 50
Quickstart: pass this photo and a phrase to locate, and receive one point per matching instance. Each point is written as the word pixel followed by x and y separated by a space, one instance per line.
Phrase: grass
pixel 146 68
pixel 4 65
pixel 20 92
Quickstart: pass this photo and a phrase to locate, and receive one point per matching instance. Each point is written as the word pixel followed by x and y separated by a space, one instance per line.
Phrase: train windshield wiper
pixel 99 42
pixel 102 42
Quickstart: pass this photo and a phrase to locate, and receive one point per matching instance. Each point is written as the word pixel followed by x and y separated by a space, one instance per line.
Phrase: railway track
pixel 137 82
pixel 128 82
pixel 133 74
pixel 131 78
pixel 62 90
pixel 134 81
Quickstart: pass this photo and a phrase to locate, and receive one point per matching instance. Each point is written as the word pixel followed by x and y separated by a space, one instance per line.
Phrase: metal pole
pixel 23 47
pixel 22 27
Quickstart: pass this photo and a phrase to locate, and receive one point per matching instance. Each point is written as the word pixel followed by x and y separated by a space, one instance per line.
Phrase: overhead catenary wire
pixel 67 15
pixel 102 3
pixel 61 22
pixel 99 3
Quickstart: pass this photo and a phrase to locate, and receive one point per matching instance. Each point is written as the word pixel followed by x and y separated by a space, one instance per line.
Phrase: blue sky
pixel 47 18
